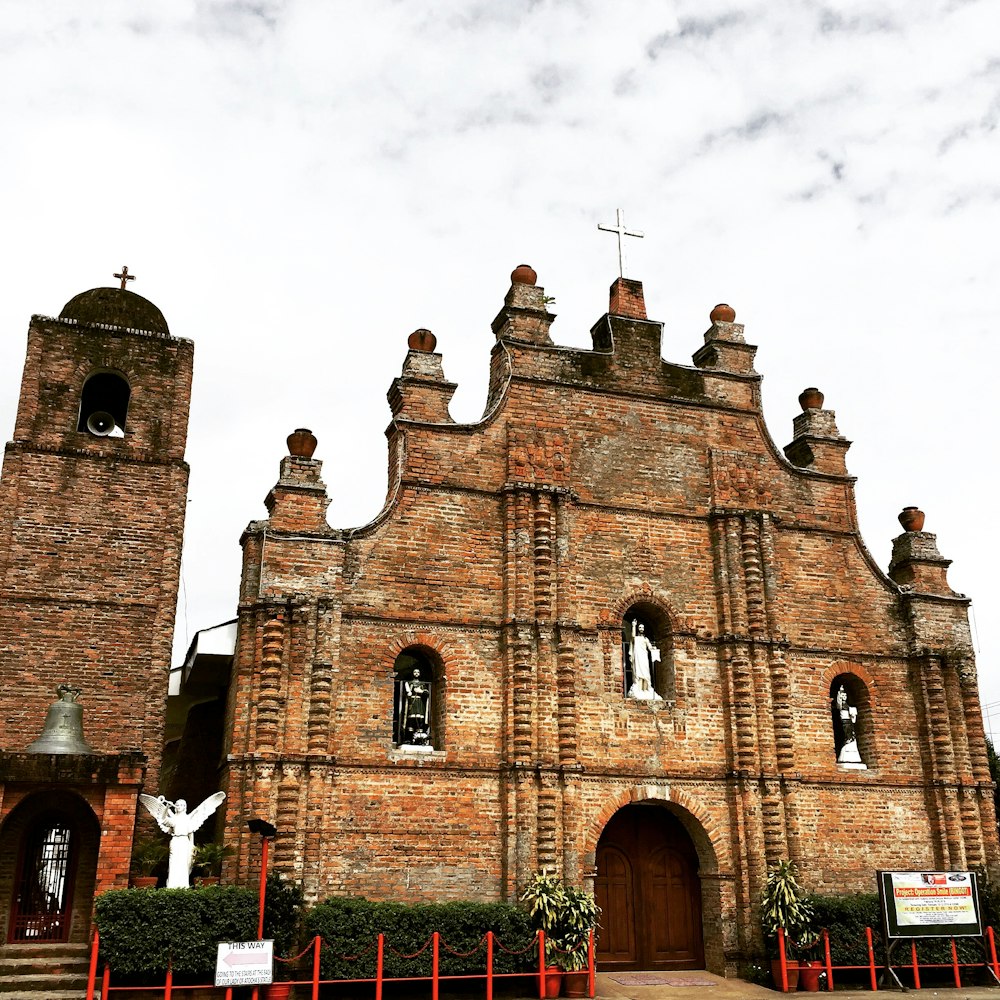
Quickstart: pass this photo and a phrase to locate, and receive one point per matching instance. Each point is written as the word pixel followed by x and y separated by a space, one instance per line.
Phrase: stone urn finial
pixel 302 443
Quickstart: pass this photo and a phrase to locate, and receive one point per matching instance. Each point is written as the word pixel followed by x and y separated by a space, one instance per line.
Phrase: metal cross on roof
pixel 125 276
pixel 622 233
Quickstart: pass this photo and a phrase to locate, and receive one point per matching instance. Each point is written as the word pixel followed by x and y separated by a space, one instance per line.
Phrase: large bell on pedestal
pixel 63 732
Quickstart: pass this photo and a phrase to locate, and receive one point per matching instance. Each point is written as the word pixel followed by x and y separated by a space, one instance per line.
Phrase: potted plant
pixel 810 966
pixel 577 922
pixel 147 854
pixel 784 907
pixel 208 860
pixel 567 916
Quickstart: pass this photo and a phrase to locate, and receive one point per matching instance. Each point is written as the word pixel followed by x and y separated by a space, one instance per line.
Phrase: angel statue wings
pixel 173 818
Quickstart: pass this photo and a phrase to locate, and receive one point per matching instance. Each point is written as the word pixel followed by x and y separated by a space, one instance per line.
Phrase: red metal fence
pixel 873 968
pixel 542 975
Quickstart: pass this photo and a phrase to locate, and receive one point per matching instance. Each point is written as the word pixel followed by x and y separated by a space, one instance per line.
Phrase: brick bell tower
pixel 92 505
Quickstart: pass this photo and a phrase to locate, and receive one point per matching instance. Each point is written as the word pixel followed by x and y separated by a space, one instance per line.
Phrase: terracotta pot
pixel 575 984
pixel 523 274
pixel 792 967
pixel 422 340
pixel 809 973
pixel 811 399
pixel 551 982
pixel 301 443
pixel 278 991
pixel 722 313
pixel 144 882
pixel 912 519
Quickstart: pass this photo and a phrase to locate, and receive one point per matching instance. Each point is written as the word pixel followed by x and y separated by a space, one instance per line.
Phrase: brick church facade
pixel 609 630
pixel 453 696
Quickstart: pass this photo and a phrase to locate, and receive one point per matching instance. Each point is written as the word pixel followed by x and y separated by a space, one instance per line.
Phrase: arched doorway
pixel 649 892
pixel 48 862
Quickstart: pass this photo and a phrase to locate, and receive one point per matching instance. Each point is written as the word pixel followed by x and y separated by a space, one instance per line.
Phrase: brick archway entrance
pixel 649 892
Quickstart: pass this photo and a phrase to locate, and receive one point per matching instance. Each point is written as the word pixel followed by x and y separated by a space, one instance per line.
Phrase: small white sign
pixel 244 963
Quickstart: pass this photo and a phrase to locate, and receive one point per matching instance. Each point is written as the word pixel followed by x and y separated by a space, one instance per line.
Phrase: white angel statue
pixel 173 818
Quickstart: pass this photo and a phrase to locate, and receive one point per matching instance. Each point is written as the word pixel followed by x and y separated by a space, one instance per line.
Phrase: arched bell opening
pixel 48 867
pixel 104 405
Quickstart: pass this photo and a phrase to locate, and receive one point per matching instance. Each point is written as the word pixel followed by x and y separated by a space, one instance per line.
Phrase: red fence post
pixel 782 961
pixel 95 947
pixel 168 986
pixel 590 964
pixel 916 964
pixel 106 982
pixel 829 962
pixel 954 965
pixel 993 952
pixel 435 964
pixel 871 959
pixel 229 993
pixel 317 944
pixel 489 965
pixel 541 964
pixel 379 964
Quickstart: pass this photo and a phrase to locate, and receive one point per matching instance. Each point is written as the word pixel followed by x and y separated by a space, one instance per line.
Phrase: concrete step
pixel 40 986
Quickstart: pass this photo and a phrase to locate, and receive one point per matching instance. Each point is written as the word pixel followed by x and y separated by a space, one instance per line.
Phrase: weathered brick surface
pixel 90 542
pixel 510 550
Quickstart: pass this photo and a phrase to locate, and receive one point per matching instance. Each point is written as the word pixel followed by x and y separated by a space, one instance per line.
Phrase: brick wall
pixel 599 482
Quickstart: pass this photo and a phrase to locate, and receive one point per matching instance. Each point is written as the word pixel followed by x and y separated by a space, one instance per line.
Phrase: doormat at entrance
pixel 654 979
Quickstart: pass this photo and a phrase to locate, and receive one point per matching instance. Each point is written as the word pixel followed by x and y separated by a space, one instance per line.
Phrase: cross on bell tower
pixel 124 276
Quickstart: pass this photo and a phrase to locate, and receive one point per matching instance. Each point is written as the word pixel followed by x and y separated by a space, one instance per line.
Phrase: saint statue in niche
pixel 173 818
pixel 845 718
pixel 415 712
pixel 643 655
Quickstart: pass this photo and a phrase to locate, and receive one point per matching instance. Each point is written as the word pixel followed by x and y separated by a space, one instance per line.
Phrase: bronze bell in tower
pixel 63 732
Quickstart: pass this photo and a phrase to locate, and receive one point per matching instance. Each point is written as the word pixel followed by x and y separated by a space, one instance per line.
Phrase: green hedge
pixel 349 927
pixel 143 930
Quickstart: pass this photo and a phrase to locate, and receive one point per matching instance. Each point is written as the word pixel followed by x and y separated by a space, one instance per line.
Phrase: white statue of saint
pixel 846 717
pixel 173 818
pixel 644 655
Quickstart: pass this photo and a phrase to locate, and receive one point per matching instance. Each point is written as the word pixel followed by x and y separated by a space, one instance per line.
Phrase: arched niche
pixel 418 718
pixel 853 730
pixel 646 635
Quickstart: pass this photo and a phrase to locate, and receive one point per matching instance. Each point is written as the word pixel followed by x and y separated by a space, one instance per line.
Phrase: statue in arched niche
pixel 845 719
pixel 415 714
pixel 643 655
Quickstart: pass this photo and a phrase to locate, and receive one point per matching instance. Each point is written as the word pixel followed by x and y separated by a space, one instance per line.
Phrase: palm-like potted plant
pixel 567 916
pixel 784 907
pixel 147 854
pixel 208 860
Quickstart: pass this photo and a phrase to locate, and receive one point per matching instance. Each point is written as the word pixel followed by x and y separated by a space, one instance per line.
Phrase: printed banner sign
pixel 244 963
pixel 930 904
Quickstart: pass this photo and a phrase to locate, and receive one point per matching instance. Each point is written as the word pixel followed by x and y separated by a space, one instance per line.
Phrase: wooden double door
pixel 649 892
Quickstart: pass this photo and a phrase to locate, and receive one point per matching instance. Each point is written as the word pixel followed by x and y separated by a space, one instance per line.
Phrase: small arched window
pixel 647 654
pixel 104 405
pixel 851 717
pixel 417 722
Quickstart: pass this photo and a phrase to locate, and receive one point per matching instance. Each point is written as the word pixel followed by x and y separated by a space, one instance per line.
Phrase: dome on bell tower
pixel 115 307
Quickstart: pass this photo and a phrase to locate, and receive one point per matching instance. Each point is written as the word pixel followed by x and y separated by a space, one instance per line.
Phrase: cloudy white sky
pixel 298 185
